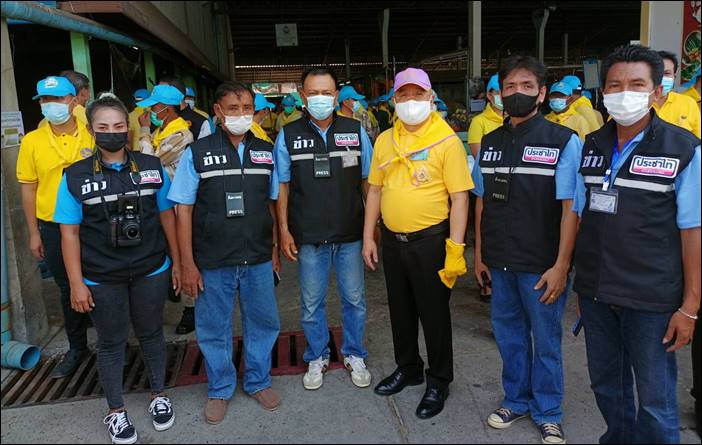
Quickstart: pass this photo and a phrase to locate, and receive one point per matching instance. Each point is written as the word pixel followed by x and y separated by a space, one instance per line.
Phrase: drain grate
pixel 35 387
pixel 286 360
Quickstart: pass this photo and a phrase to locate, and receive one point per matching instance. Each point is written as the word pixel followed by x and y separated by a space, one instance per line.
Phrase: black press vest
pixel 325 210
pixel 634 259
pixel 523 234
pixel 100 261
pixel 218 240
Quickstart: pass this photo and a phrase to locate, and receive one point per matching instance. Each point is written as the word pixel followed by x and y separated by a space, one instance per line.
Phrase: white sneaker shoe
pixel 360 376
pixel 314 377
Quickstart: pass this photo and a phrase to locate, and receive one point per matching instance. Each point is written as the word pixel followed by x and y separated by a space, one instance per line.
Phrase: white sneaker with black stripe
pixel 162 415
pixel 503 418
pixel 552 433
pixel 120 428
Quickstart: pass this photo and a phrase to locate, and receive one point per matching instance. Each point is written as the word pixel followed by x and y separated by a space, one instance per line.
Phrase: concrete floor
pixel 339 412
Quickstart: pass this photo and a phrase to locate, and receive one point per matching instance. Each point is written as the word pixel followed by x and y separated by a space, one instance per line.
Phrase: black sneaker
pixel 503 418
pixel 120 428
pixel 551 433
pixel 187 322
pixel 69 363
pixel 162 414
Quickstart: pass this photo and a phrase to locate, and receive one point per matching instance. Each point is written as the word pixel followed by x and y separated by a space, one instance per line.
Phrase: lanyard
pixel 608 174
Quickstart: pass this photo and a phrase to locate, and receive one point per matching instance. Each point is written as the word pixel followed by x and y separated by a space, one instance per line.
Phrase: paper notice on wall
pixel 12 128
pixel 591 68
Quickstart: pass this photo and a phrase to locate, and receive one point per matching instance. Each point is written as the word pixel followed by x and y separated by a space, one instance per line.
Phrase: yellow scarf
pixel 437 131
pixel 174 126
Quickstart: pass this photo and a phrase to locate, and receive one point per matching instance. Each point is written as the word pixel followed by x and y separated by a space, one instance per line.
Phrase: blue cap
pixel 163 94
pixel 288 101
pixel 190 92
pixel 364 103
pixel 260 102
pixel 55 86
pixel 141 94
pixel 587 94
pixel 348 92
pixel 440 105
pixel 561 87
pixel 494 83
pixel 573 81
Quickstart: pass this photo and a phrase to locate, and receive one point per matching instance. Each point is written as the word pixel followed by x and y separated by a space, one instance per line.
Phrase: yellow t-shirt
pixel 483 124
pixel 135 127
pixel 78 112
pixel 593 117
pixel 284 119
pixel 407 207
pixel 680 110
pixel 571 119
pixel 259 132
pixel 692 92
pixel 43 156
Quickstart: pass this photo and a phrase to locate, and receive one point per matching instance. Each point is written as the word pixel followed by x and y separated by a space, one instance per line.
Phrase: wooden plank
pixel 14 393
pixel 178 365
pixel 32 386
pixel 76 379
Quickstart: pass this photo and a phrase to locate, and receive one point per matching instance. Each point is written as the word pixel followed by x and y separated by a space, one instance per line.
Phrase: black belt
pixel 438 229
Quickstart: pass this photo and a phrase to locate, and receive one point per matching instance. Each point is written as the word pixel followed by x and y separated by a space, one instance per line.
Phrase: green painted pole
pixel 80 49
pixel 149 70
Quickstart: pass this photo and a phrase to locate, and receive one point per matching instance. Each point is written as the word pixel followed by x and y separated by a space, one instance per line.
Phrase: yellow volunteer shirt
pixel 135 128
pixel 571 119
pixel 201 113
pixel 682 111
pixel 43 156
pixel 583 106
pixel 482 124
pixel 78 112
pixel 407 207
pixel 161 133
pixel 268 122
pixel 259 132
pixel 284 119
pixel 692 92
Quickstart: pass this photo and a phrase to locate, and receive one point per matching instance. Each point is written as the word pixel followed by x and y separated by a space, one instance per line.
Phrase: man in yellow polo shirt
pixel 674 107
pixel 81 83
pixel 582 104
pixel 490 118
pixel 43 155
pixel 419 178
pixel 560 99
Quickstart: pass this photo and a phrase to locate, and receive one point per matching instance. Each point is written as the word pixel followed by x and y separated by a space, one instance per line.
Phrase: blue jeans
pixel 619 339
pixel 260 323
pixel 528 335
pixel 315 264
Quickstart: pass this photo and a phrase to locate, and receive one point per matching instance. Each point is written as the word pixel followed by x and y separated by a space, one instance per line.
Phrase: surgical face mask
pixel 627 107
pixel 413 112
pixel 558 105
pixel 321 106
pixel 497 102
pixel 356 106
pixel 238 125
pixel 55 112
pixel 668 84
pixel 112 142
pixel 289 110
pixel 154 118
pixel 190 103
pixel 520 104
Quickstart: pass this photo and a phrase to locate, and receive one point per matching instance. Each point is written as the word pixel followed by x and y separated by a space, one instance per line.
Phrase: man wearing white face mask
pixel 420 179
pixel 638 251
pixel 323 160
pixel 225 186
pixel 676 108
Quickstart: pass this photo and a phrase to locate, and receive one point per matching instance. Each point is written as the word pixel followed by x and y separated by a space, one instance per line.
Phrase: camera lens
pixel 131 231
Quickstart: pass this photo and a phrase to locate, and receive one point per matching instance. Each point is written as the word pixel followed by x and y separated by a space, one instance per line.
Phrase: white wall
pixel 664 30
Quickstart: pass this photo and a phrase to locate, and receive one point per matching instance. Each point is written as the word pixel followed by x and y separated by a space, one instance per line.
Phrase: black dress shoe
pixel 187 322
pixel 69 364
pixel 432 403
pixel 396 382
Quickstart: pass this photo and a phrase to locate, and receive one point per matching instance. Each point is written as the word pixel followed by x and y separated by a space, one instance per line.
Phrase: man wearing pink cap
pixel 419 178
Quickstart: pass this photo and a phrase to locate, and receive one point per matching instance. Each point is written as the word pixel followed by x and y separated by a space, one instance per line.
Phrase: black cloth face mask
pixel 519 104
pixel 112 142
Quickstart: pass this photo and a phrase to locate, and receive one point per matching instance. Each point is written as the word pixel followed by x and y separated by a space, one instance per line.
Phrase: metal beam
pixel 149 70
pixel 80 50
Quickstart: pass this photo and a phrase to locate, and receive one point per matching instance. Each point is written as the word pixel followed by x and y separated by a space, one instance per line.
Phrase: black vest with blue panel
pixel 220 240
pixel 325 209
pixel 633 258
pixel 522 234
pixel 98 193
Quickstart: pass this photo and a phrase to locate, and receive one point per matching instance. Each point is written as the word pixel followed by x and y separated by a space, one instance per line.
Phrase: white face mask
pixel 413 112
pixel 627 107
pixel 238 125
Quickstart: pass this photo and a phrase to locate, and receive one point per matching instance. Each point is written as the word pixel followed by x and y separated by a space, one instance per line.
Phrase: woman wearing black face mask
pixel 119 243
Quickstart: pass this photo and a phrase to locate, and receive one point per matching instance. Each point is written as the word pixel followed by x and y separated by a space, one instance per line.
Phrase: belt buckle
pixel 401 237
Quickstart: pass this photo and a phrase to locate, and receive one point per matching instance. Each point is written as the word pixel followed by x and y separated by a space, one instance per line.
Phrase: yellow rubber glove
pixel 454 265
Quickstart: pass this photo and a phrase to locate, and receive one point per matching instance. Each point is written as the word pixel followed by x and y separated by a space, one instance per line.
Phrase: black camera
pixel 125 226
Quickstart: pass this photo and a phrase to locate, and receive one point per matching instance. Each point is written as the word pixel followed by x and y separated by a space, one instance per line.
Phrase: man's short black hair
pixel 634 53
pixel 174 82
pixel 529 63
pixel 319 71
pixel 79 80
pixel 234 87
pixel 670 56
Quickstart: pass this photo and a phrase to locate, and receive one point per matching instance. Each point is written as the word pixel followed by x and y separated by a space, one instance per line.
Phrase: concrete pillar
pixel 474 38
pixel 149 70
pixel 661 26
pixel 29 320
pixel 565 48
pixel 80 49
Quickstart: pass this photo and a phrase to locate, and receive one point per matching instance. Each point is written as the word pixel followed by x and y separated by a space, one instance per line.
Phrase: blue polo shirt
pixel 69 209
pixel 566 171
pixel 687 187
pixel 283 155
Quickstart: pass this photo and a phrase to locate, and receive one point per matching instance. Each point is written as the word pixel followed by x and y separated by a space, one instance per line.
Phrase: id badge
pixel 500 191
pixel 235 204
pixel 604 201
pixel 349 160
pixel 322 166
